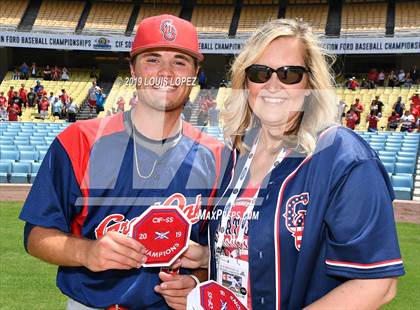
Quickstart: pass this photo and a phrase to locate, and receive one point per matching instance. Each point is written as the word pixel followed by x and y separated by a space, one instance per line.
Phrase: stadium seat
pixel 5 170
pixel 389 166
pixel 34 171
pixel 21 138
pixel 7 147
pixel 404 168
pixel 42 155
pixel 9 155
pixel 36 138
pixel 49 140
pixel 377 146
pixel 402 185
pixel 21 142
pixel 20 172
pixel 25 147
pixel 42 147
pixel 407 154
pixel 10 133
pixel 28 156
pixel 40 134
pixel 387 159
pixel 6 140
pixel 37 142
pixel 387 153
pixel 392 149
pixel 407 160
pixel 409 149
pixel 393 144
pixel 24 134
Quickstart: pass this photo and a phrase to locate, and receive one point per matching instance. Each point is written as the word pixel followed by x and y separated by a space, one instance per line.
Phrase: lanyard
pixel 232 199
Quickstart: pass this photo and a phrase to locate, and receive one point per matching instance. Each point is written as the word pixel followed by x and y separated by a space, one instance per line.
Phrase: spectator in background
pixel 401 78
pixel 372 78
pixel 393 121
pixel 213 113
pixel 17 100
pixel 33 70
pixel 415 111
pixel 414 74
pixel 94 73
pixel 381 78
pixel 92 96
pixel 16 75
pixel 64 98
pixel 392 79
pixel 24 71
pixel 357 108
pixel 399 106
pixel 203 117
pixel 39 90
pixel 364 84
pixel 31 98
pixel 341 111
pixel 23 95
pixel 120 104
pixel 100 101
pixel 353 84
pixel 202 79
pixel 10 94
pixel 134 100
pixel 52 99
pixel 38 87
pixel 14 111
pixel 47 73
pixel 71 110
pixel 57 107
pixel 55 73
pixel 376 105
pixel 3 100
pixel 373 120
pixel 351 118
pixel 408 80
pixel 65 74
pixel 187 110
pixel 3 113
pixel 415 99
pixel 44 106
pixel 407 121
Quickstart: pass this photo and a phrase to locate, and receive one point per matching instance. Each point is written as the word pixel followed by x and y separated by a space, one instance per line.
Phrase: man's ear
pixel 132 72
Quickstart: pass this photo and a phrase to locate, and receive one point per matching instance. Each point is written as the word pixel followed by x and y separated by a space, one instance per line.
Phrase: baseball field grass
pixel 27 283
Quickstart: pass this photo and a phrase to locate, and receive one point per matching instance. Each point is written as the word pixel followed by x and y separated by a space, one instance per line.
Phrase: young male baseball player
pixel 100 175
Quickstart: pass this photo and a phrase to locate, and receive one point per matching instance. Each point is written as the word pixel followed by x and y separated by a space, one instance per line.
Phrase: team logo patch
pixel 168 30
pixel 294 216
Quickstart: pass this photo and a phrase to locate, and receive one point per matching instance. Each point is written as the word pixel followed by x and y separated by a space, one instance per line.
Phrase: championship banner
pixel 226 46
pixel 164 232
pixel 211 295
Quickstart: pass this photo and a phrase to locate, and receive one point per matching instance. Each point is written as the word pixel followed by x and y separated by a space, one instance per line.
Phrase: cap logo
pixel 168 30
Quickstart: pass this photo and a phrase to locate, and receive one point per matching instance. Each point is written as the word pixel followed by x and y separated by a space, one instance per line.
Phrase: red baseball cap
pixel 166 31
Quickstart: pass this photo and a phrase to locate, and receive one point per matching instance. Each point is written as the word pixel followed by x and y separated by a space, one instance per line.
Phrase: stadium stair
pixel 30 15
pixel 334 18
pixel 85 112
pixel 194 113
pixel 83 17
pixel 416 192
pixel 390 18
pixel 132 21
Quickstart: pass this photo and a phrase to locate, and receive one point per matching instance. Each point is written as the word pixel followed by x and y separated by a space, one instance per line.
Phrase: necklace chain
pixel 137 162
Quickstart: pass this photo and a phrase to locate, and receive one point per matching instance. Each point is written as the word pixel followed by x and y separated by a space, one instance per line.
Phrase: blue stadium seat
pixel 25 147
pixel 24 134
pixel 6 140
pixel 404 168
pixel 42 155
pixel 5 170
pixel 40 134
pixel 8 147
pixel 36 138
pixel 389 167
pixel 413 149
pixel 407 154
pixel 49 140
pixel 392 149
pixel 9 133
pixel 21 142
pixel 34 171
pixel 28 156
pixel 20 172
pixel 387 159
pixel 27 129
pixel 402 185
pixel 37 142
pixel 408 160
pixel 377 146
pixel 21 138
pixel 397 133
pixel 393 144
pixel 387 153
pixel 52 134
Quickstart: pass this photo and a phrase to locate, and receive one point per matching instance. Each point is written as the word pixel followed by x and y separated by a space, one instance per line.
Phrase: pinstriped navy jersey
pixel 88 184
pixel 322 219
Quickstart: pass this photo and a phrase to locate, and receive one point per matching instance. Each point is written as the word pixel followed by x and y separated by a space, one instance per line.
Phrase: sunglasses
pixel 286 74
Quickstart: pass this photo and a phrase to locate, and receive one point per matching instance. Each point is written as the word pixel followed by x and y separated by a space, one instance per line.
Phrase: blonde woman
pixel 301 224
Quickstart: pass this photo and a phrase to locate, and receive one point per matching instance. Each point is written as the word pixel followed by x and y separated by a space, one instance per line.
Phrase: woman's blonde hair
pixel 320 108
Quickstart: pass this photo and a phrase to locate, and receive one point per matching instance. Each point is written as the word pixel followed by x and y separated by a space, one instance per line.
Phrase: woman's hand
pixel 175 289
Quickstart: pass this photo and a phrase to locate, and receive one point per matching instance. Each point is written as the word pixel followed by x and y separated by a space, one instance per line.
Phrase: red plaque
pixel 212 295
pixel 164 231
